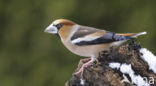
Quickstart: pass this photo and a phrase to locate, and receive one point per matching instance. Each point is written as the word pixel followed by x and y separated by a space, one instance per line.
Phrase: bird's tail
pixel 138 34
pixel 133 35
pixel 126 36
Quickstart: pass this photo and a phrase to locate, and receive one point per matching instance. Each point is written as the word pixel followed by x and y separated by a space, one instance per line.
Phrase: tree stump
pixel 121 66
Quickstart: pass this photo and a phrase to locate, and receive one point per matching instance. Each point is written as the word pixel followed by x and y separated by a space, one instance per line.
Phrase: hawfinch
pixel 87 41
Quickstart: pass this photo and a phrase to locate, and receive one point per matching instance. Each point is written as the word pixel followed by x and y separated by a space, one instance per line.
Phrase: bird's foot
pixel 85 60
pixel 80 71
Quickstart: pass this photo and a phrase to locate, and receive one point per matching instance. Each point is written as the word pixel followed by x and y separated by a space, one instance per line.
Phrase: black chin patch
pixel 58 35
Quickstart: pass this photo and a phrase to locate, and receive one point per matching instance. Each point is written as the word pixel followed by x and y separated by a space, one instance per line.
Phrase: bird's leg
pixel 84 66
pixel 85 60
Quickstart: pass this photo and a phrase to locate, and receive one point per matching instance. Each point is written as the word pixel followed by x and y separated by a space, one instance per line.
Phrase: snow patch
pixel 82 81
pixel 114 65
pixel 127 69
pixel 137 79
pixel 149 58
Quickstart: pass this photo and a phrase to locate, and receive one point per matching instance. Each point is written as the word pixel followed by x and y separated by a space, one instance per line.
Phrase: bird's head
pixel 59 24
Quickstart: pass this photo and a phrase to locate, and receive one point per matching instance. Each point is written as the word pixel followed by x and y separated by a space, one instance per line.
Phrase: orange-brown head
pixel 62 27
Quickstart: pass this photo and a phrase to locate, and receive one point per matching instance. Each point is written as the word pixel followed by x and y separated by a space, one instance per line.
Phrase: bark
pixel 100 73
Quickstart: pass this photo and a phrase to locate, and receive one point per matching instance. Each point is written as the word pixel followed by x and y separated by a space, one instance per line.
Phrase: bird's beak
pixel 51 29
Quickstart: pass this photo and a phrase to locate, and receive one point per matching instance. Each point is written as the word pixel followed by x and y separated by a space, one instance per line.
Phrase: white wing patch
pixel 86 38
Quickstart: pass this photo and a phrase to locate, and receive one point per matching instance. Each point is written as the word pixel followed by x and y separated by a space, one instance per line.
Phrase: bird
pixel 87 41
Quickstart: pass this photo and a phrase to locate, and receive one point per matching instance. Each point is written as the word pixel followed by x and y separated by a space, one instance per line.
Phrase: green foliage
pixel 30 57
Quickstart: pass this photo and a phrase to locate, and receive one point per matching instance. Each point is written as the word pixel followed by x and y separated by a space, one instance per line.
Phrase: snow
pixel 149 58
pixel 114 65
pixel 127 69
pixel 137 79
pixel 82 81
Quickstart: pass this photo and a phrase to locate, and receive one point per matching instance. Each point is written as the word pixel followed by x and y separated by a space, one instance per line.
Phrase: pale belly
pixel 87 51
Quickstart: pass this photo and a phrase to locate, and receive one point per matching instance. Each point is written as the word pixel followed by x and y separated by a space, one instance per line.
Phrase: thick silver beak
pixel 51 29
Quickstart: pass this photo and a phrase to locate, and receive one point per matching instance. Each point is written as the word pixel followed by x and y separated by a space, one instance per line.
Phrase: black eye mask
pixel 58 26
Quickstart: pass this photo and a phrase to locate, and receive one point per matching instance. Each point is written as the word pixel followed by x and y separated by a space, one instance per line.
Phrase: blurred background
pixel 30 57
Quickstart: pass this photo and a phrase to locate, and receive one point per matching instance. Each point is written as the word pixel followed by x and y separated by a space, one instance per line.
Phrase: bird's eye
pixel 58 26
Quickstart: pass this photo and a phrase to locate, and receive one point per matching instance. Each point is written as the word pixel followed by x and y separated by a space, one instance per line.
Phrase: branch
pixel 128 65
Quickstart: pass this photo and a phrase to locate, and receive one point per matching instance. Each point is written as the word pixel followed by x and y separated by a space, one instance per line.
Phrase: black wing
pixel 108 37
